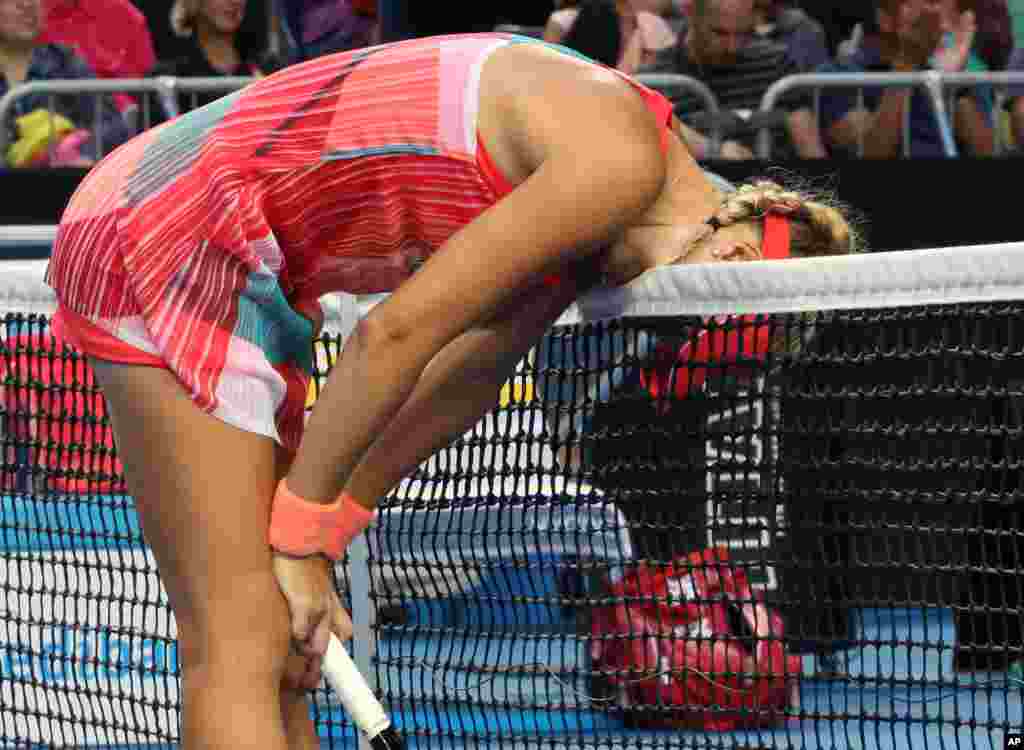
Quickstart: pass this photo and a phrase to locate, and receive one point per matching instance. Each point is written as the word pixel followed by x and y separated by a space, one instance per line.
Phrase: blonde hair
pixel 820 225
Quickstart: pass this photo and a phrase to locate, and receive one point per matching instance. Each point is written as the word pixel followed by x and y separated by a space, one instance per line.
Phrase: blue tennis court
pixel 518 671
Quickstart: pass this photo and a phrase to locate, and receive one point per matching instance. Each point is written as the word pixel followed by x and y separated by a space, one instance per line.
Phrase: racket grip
pixel 359 701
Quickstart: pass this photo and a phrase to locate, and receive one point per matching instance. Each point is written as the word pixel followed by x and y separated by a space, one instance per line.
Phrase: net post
pixel 362 615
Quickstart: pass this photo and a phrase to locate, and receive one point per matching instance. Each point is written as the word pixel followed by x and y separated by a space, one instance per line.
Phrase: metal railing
pixel 935 84
pixel 165 89
pixel 673 86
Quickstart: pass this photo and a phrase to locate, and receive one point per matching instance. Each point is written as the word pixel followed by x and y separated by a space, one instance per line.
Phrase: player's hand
pixel 308 586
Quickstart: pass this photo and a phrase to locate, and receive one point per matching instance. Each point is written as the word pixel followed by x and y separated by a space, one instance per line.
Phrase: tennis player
pixel 485 180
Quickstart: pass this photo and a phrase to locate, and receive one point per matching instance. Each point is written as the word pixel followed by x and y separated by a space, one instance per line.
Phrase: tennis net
pixel 772 505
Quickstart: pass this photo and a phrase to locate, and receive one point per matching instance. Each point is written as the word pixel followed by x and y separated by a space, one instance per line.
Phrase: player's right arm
pixel 592 151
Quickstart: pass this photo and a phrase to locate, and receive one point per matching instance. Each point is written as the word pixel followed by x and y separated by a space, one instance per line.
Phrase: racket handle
pixel 359 701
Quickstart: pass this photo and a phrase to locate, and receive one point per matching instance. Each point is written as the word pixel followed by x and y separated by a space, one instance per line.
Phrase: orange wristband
pixel 302 528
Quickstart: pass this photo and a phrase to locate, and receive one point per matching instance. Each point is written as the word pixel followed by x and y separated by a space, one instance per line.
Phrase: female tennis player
pixel 485 180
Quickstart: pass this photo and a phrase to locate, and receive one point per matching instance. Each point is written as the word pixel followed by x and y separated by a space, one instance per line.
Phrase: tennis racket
pixel 359 701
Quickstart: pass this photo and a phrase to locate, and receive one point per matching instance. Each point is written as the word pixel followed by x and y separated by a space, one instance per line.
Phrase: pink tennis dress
pixel 192 246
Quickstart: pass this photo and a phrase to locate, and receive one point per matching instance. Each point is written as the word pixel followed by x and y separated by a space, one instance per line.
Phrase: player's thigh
pixel 203 490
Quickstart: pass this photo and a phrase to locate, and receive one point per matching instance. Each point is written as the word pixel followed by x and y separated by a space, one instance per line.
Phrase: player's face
pixel 737 242
pixel 20 21
pixel 225 16
pixel 647 246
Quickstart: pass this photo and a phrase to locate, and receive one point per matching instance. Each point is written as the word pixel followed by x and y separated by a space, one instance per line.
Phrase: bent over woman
pixel 484 180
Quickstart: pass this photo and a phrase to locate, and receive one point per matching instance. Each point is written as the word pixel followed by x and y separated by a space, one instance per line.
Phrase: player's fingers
pixel 295 668
pixel 307 614
pixel 316 646
pixel 311 678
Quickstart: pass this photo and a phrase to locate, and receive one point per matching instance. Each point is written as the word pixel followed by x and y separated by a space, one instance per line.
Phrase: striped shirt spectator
pixel 720 49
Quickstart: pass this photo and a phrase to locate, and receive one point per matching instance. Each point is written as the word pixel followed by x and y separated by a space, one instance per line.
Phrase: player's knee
pixel 256 658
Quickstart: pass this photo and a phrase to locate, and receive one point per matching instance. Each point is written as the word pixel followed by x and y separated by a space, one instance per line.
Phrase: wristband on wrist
pixel 302 528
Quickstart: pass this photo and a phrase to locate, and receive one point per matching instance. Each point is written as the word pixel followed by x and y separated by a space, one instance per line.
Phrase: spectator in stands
pixel 1015 99
pixel 906 36
pixel 166 43
pixel 85 27
pixel 312 28
pixel 81 128
pixel 964 48
pixel 718 46
pixel 994 40
pixel 611 32
pixel 784 23
pixel 221 38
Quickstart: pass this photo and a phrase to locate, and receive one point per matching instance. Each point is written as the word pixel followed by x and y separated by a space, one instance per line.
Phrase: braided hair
pixel 818 225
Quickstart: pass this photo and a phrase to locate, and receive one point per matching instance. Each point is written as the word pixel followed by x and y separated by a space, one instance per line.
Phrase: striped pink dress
pixel 191 246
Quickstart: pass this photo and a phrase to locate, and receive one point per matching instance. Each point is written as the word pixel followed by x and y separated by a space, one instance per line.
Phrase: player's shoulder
pixel 555 78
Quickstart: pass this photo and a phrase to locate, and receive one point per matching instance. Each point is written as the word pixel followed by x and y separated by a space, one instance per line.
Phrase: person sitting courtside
pixel 219 38
pixel 80 128
pixel 612 32
pixel 906 36
pixel 718 47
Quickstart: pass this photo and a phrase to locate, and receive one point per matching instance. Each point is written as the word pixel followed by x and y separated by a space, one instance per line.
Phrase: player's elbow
pixel 382 331
pixel 396 337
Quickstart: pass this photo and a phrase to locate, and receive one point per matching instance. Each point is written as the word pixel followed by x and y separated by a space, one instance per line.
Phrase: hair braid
pixel 820 227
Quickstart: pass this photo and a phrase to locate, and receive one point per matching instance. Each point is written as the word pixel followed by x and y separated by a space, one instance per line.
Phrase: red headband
pixel 776 237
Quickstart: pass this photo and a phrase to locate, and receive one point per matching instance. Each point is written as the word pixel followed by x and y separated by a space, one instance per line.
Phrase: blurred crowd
pixel 737 48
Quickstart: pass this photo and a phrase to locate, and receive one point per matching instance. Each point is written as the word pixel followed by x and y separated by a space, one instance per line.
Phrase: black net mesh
pixel 787 531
